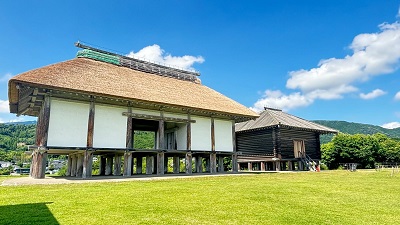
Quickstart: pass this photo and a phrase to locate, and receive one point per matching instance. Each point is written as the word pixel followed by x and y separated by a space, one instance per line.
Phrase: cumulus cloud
pixel 4 106
pixel 373 94
pixel 276 99
pixel 157 54
pixel 391 125
pixel 373 54
pixel 397 96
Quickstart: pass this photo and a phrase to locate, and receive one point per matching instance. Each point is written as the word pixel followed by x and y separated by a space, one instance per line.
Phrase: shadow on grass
pixel 34 213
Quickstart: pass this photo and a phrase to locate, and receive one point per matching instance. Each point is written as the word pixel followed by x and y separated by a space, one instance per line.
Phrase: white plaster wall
pixel 223 135
pixel 68 123
pixel 181 139
pixel 201 133
pixel 109 127
pixel 175 115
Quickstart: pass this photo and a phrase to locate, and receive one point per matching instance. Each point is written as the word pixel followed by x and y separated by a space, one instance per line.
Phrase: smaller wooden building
pixel 279 141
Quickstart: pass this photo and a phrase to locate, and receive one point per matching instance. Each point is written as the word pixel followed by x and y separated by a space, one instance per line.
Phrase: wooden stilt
pixel 213 163
pixel 102 166
pixel 87 164
pixel 301 166
pixel 73 165
pixel 235 165
pixel 117 165
pixel 290 165
pixel 165 164
pixel 79 165
pixel 160 163
pixel 188 162
pixel 199 164
pixel 277 166
pixel 69 165
pixel 220 164
pixel 249 166
pixel 262 166
pixel 109 165
pixel 39 159
pixel 149 164
pixel 127 163
pixel 176 164
pixel 139 164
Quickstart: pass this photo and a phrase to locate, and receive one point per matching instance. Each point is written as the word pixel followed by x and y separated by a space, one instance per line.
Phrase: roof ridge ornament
pixel 136 64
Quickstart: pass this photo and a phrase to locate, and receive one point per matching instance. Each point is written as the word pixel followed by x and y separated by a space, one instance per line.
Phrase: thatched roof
pixel 274 117
pixel 83 75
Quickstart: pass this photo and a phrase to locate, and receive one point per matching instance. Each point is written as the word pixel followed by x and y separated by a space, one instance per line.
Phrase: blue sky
pixel 332 60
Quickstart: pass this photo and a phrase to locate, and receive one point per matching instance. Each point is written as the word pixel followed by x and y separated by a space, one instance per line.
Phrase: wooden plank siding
pixel 261 143
pixel 255 142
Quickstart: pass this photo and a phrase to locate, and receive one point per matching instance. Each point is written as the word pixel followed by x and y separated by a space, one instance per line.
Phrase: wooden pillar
pixel 188 156
pixel 301 166
pixel 290 165
pixel 188 162
pixel 165 164
pixel 250 166
pixel 213 163
pixel 73 165
pixel 39 156
pixel 79 165
pixel 102 166
pixel 139 164
pixel 318 145
pixel 129 130
pixel 160 163
pixel 220 164
pixel 212 135
pixel 234 155
pixel 38 167
pixel 87 164
pixel 199 164
pixel 262 166
pixel 177 164
pixel 117 165
pixel 149 164
pixel 109 165
pixel 89 138
pixel 69 165
pixel 127 163
pixel 277 165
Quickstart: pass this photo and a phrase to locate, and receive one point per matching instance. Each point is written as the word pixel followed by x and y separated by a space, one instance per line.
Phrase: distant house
pixel 91 106
pixel 4 164
pixel 279 141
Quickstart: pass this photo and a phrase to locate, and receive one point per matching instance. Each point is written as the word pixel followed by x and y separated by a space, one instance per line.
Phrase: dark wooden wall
pixel 260 142
pixel 255 142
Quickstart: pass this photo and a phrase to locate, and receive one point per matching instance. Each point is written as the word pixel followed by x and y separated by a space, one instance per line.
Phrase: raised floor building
pixel 92 104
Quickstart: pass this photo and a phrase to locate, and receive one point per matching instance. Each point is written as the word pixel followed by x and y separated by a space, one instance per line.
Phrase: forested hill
pixel 359 128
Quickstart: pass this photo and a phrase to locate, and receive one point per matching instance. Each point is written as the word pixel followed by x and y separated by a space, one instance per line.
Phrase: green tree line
pixel 364 149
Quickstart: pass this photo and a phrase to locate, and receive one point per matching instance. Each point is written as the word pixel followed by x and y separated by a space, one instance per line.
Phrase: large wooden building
pixel 93 104
pixel 279 141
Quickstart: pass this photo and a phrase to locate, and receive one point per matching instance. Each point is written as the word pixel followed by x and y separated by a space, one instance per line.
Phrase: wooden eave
pixel 26 99
pixel 290 127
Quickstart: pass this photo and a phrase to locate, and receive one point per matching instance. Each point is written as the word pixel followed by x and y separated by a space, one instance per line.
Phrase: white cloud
pixel 155 53
pixel 4 108
pixel 276 99
pixel 391 125
pixel 6 77
pixel 373 94
pixel 373 54
pixel 397 96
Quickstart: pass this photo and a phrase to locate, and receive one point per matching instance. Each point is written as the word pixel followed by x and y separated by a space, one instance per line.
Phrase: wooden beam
pixel 176 163
pixel 161 131
pixel 79 165
pixel 150 117
pixel 89 139
pixel 38 166
pixel 117 165
pixel 199 164
pixel 213 163
pixel 139 164
pixel 220 164
pixel 188 162
pixel 109 165
pixel 149 164
pixel 160 163
pixel 127 163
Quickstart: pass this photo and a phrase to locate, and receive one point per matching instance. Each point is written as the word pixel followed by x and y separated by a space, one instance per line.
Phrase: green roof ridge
pixel 86 53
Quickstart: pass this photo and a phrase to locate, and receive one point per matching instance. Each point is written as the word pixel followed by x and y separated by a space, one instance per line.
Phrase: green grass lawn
pixel 333 197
